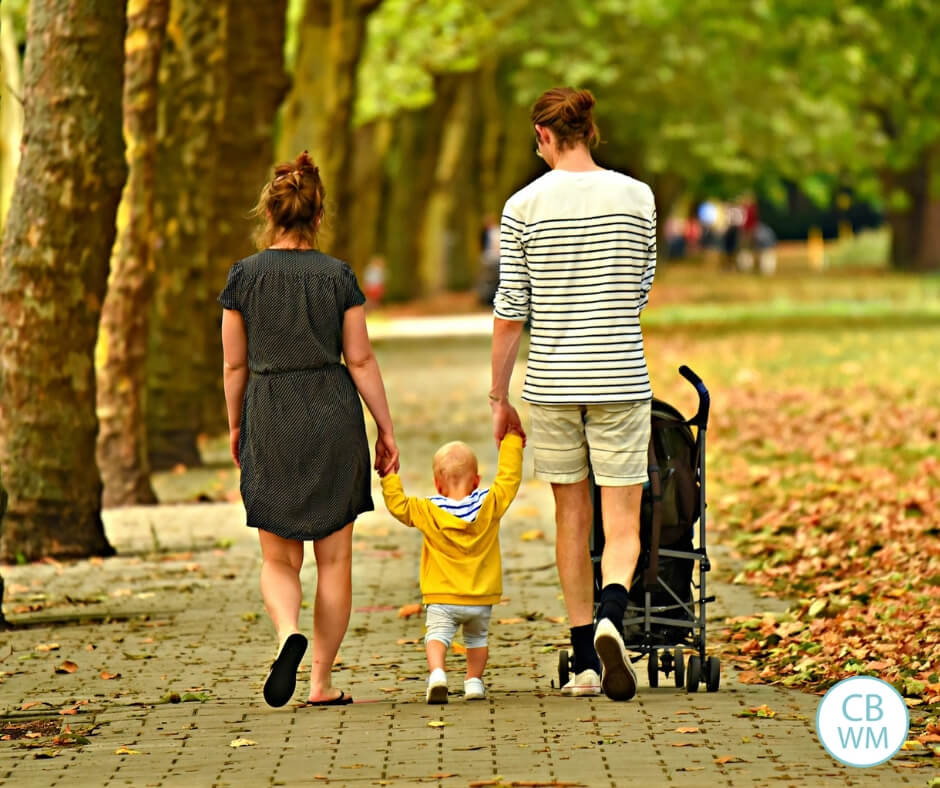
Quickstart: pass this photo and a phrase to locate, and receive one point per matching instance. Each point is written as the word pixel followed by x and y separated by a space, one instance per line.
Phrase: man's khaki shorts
pixel 615 436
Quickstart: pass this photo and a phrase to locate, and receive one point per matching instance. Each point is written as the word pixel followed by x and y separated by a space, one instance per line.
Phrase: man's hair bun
pixel 569 113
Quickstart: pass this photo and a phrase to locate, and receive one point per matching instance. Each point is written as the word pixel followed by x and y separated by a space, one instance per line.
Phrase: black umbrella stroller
pixel 665 615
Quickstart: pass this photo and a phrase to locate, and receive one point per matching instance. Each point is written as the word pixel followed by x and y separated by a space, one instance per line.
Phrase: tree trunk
pixel 53 276
pixel 906 223
pixel 319 110
pixel 188 114
pixel 371 143
pixel 410 172
pixel 11 110
pixel 3 509
pixel 122 337
pixel 255 84
pixel 928 256
pixel 454 206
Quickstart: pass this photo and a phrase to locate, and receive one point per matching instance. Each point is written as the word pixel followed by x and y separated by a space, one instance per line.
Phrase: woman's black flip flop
pixel 281 681
pixel 340 700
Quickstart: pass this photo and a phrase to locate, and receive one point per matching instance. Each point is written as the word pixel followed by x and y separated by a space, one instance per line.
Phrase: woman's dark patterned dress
pixel 305 468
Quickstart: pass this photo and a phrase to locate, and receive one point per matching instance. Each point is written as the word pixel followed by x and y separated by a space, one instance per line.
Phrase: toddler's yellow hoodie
pixel 460 561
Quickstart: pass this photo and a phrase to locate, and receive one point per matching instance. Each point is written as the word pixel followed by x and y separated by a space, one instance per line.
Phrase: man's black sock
pixel 582 643
pixel 614 598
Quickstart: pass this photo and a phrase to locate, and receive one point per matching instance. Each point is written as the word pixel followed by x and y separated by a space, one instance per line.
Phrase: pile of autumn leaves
pixel 831 499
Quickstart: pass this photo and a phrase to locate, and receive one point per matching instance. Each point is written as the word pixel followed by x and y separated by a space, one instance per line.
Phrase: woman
pixel 578 255
pixel 295 421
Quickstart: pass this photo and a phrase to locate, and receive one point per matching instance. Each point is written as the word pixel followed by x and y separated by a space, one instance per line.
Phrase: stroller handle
pixel 700 419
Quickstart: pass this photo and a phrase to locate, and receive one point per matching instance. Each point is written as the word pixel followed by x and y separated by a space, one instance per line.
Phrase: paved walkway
pixel 177 616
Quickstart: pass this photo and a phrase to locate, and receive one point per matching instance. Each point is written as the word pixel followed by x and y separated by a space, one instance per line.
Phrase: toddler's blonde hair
pixel 453 463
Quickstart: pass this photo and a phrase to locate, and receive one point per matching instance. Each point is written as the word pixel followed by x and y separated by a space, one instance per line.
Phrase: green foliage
pixel 715 91
pixel 409 41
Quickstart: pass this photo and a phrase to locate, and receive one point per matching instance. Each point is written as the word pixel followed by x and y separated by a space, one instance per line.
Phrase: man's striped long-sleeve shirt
pixel 578 256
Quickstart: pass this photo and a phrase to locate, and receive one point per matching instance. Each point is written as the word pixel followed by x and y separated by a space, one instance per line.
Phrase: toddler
pixel 461 572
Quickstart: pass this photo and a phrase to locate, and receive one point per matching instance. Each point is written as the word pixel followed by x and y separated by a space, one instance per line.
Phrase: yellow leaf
pixel 437 724
pixel 241 743
pixel 126 751
pixel 816 608
pixel 686 730
pixel 457 648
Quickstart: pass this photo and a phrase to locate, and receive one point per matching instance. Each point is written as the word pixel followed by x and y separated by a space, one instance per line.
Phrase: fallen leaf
pixel 437 724
pixel 47 646
pixel 241 743
pixel 686 730
pixel 67 667
pixel 29 704
pixel 509 621
pixel 816 608
pixel 684 744
pixel 457 648
pixel 108 676
pixel 406 611
pixel 723 759
pixel 126 751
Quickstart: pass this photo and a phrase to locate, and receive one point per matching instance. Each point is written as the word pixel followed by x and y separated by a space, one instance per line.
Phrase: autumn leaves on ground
pixel 823 464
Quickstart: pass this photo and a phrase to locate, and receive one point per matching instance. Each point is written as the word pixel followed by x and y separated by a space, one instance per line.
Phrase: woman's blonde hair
pixel 292 202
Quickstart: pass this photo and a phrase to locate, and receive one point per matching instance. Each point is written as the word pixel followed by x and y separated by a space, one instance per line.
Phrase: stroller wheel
pixel 693 674
pixel 652 668
pixel 564 670
pixel 712 674
pixel 679 668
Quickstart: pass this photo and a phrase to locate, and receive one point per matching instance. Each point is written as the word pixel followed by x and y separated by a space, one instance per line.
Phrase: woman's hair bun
pixel 291 202
pixel 304 165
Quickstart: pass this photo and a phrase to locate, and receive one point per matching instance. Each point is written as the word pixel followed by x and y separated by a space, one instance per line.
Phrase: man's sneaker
pixel 587 682
pixel 437 687
pixel 473 689
pixel 617 677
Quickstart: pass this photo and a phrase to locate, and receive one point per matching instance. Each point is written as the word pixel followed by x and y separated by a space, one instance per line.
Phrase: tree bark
pixel 188 116
pixel 53 275
pixel 410 171
pixel 371 143
pixel 907 223
pixel 319 110
pixel 928 256
pixel 123 333
pixel 11 109
pixel 3 510
pixel 453 205
pixel 254 86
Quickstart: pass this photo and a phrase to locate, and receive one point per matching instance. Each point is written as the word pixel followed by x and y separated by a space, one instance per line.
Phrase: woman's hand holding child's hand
pixel 386 454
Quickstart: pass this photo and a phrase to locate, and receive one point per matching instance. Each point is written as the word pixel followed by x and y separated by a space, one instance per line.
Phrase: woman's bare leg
pixel 280 581
pixel 331 608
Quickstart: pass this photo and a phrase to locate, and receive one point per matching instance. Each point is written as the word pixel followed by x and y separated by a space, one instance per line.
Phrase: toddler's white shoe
pixel 437 687
pixel 473 689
